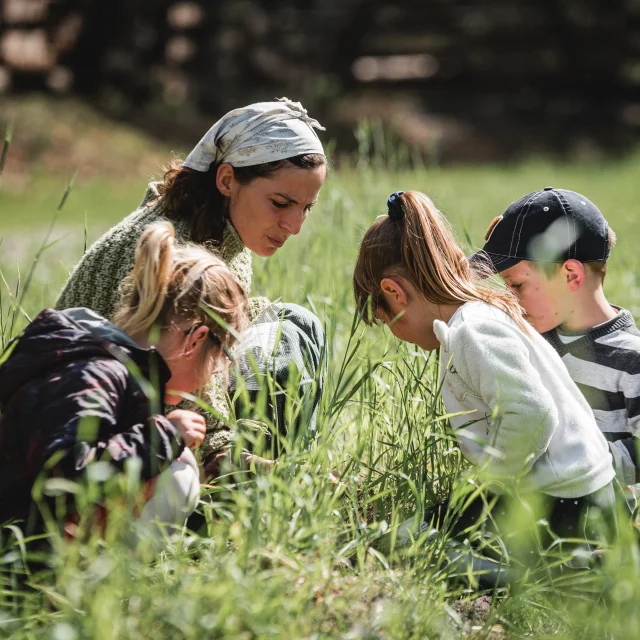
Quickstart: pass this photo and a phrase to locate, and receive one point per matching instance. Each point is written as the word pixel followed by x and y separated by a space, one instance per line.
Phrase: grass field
pixel 292 554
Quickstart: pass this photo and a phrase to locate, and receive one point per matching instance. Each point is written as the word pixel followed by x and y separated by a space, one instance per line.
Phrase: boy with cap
pixel 551 247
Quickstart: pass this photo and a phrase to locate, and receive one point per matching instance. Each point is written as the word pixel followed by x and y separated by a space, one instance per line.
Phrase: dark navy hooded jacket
pixel 76 387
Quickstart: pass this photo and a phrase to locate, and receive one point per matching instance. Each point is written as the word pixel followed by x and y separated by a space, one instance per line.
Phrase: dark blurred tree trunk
pixel 531 75
pixel 541 74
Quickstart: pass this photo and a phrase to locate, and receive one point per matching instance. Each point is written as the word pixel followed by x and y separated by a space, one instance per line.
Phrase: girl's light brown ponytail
pixel 415 242
pixel 434 262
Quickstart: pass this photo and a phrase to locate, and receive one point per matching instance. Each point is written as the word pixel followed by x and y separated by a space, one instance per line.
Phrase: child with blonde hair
pixel 76 389
pixel 517 415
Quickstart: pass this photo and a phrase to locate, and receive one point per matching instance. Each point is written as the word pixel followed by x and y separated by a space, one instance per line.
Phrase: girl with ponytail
pixel 516 413
pixel 76 389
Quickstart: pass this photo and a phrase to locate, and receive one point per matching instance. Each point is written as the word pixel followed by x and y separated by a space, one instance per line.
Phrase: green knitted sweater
pixel 95 283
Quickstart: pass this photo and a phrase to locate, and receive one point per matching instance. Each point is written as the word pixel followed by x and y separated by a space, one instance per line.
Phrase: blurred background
pixel 457 81
pixel 474 102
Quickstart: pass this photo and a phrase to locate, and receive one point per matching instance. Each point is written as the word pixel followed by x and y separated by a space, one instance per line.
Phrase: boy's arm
pixel 624 451
pixel 494 361
pixel 628 447
pixel 625 459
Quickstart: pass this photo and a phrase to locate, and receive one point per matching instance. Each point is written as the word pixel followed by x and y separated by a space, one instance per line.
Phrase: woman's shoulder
pixel 129 229
pixel 151 209
pixel 95 278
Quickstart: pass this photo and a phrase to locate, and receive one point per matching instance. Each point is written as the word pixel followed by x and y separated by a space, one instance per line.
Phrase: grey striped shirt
pixel 605 365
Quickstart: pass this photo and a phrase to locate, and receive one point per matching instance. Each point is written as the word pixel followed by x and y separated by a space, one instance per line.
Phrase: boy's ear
pixel 394 292
pixel 573 273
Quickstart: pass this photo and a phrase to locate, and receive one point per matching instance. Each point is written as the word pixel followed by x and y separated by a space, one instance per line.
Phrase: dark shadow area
pixel 456 79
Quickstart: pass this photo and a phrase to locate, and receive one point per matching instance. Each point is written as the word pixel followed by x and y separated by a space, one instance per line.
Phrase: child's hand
pixel 191 426
pixel 257 462
pixel 213 466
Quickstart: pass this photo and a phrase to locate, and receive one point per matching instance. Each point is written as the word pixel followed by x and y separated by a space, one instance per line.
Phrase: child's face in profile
pixel 543 298
pixel 190 362
pixel 409 316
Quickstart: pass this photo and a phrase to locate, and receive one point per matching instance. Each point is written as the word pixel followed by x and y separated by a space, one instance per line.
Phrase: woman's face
pixel 267 211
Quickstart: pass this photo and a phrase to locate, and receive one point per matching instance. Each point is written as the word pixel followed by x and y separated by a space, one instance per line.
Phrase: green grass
pixel 292 554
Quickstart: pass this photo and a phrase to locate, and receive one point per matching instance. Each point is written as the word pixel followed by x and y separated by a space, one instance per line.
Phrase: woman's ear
pixel 224 179
pixel 395 293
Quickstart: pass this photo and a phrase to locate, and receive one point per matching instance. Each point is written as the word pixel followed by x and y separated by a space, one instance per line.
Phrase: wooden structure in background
pixel 538 74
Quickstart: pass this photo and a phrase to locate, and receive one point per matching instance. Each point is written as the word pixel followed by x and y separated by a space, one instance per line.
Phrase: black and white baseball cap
pixel 551 225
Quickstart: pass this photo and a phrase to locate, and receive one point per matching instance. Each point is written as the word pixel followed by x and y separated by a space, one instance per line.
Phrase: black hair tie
pixel 394 204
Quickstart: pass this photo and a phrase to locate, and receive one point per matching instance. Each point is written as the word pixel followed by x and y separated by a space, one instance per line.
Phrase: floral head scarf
pixel 256 134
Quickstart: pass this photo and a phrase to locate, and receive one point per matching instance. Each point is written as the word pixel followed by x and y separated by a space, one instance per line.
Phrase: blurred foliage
pixel 478 80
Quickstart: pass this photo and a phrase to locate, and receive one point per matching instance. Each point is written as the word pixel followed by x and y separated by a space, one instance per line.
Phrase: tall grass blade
pixel 8 137
pixel 45 242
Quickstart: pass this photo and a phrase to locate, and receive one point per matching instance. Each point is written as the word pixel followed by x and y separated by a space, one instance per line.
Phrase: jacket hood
pixel 97 326
pixel 56 338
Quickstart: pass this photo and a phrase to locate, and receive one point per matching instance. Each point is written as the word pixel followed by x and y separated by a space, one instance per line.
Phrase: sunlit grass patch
pixel 300 552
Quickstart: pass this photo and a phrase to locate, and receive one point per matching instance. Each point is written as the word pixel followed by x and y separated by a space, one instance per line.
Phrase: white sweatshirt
pixel 528 419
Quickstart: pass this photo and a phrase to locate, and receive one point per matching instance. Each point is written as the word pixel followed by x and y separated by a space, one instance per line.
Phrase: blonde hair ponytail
pixel 180 283
pixel 150 279
pixel 417 243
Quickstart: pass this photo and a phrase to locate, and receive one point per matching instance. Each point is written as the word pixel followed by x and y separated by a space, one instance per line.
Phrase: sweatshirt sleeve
pixel 94 419
pixel 494 362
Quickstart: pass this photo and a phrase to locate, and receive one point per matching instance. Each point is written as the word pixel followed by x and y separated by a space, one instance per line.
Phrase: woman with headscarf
pixel 246 187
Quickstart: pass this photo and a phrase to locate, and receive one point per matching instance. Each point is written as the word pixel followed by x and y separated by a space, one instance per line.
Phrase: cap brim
pixel 492 262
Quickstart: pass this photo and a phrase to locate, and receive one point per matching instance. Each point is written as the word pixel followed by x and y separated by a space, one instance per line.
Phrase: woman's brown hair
pixel 181 284
pixel 193 195
pixel 418 245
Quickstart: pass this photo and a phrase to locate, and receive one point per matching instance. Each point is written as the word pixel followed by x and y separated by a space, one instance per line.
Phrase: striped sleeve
pixel 607 372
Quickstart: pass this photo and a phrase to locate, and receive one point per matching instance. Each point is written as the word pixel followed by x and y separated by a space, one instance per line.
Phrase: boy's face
pixel 543 299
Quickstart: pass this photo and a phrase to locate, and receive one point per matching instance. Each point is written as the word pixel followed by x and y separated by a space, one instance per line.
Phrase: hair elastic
pixel 394 204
